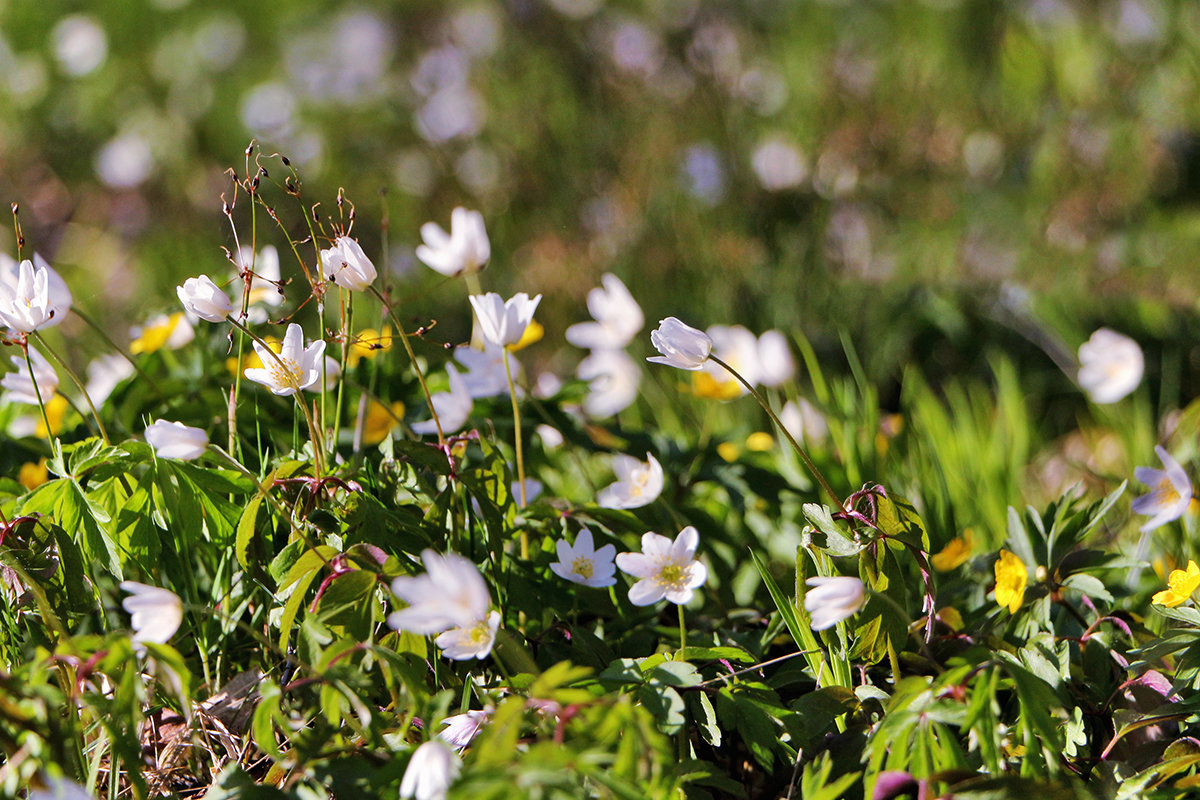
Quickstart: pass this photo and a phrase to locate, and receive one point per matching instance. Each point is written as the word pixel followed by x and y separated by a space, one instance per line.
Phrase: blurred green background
pixel 937 179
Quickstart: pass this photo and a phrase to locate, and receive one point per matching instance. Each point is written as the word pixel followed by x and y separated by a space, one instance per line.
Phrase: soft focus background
pixel 933 179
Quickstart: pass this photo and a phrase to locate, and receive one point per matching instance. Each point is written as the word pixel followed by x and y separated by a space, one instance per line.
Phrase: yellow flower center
pixel 284 371
pixel 480 634
pixel 672 576
pixel 1167 491
pixel 583 567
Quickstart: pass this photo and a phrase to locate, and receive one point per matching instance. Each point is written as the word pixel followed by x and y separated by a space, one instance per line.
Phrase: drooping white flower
pixel 1110 366
pixel 20 385
pixel 464 250
pixel 293 368
pixel 775 363
pixel 613 380
pixel 346 265
pixel 470 641
pixel 618 318
pixel 58 297
pixel 460 729
pixel 638 484
pixel 431 770
pixel 26 307
pixel 104 374
pixel 682 346
pixel 1170 494
pixel 666 569
pixel 582 563
pixel 202 297
pixel 832 600
pixel 485 376
pixel 60 789
pixel 155 612
pixel 503 322
pixel 451 594
pixel 452 407
pixel 176 440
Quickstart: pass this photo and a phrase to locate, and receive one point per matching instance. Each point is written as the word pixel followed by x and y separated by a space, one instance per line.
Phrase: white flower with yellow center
pixel 470 641
pixel 583 563
pixel 1170 495
pixel 638 484
pixel 293 368
pixel 666 569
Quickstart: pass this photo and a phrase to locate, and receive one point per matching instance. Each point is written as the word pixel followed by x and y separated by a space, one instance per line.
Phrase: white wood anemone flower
pixel 202 297
pixel 613 381
pixel 831 600
pixel 176 440
pixel 582 563
pixel 638 483
pixel 463 251
pixel 450 599
pixel 431 770
pixel 20 385
pixel 617 317
pixel 503 322
pixel 665 568
pixel 1110 366
pixel 293 368
pixel 155 612
pixel 452 407
pixel 682 346
pixel 470 641
pixel 1170 494
pixel 347 266
pixel 460 729
pixel 22 283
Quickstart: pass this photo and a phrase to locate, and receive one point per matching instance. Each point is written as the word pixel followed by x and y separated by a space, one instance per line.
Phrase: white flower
pixel 533 488
pixel 613 379
pixel 804 421
pixel 638 484
pixel 202 297
pixel 775 363
pixel 176 440
pixel 1110 366
pixel 57 295
pixel 503 322
pixel 464 250
pixel 155 612
pixel 347 265
pixel 264 283
pixel 737 347
pixel 666 568
pixel 462 728
pixel 431 770
pixel 104 374
pixel 451 594
pixel 551 437
pixel 485 376
pixel 681 345
pixel 452 407
pixel 832 600
pixel 1170 495
pixel 295 367
pixel 60 789
pixel 470 641
pixel 20 385
pixel 583 563
pixel 332 374
pixel 618 317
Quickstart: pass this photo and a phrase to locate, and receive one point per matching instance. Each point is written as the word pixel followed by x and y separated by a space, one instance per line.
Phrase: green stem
pixel 37 392
pixel 682 628
pixel 516 407
pixel 71 373
pixel 808 462
pixel 412 357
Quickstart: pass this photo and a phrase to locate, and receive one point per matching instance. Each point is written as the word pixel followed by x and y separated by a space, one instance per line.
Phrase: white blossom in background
pixel 176 440
pixel 1170 494
pixel 155 612
pixel 775 363
pixel 20 385
pixel 58 294
pixel 293 368
pixel 665 568
pixel 460 729
pixel 60 789
pixel 617 318
pixel 1110 366
pixel 533 488
pixel 503 322
pixel 779 165
pixel 613 381
pixel 804 421
pixel 638 483
pixel 431 770
pixel 737 347
pixel 485 375
pixel 452 407
pixel 582 563
pixel 463 251
pixel 332 374
pixel 264 283
pixel 681 346
pixel 451 599
pixel 831 600
pixel 79 43
pixel 202 297
pixel 346 265
pixel 104 374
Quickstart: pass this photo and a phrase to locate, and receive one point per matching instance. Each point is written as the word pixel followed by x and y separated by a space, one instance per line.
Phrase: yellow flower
pixel 380 421
pixel 954 554
pixel 157 332
pixel 706 386
pixel 368 343
pixel 729 451
pixel 1180 585
pixel 759 442
pixel 1011 576
pixel 33 475
pixel 533 333
pixel 56 409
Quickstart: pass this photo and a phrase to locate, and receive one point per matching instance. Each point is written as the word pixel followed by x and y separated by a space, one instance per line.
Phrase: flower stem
pixel 38 394
pixel 682 629
pixel 808 462
pixel 70 373
pixel 412 357
pixel 516 407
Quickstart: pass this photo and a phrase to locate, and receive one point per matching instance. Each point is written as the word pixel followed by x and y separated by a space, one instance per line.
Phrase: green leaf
pixel 247 523
pixel 837 540
pixel 899 520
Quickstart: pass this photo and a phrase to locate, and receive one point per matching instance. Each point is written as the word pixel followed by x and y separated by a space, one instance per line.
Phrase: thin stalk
pixel 516 407
pixel 71 373
pixel 808 462
pixel 412 357
pixel 682 628
pixel 146 379
pixel 337 405
pixel 38 394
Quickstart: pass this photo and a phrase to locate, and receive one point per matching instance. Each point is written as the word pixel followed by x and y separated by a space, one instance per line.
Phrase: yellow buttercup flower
pixel 368 343
pixel 759 442
pixel 533 333
pixel 1011 576
pixel 160 331
pixel 56 410
pixel 380 421
pixel 706 386
pixel 729 451
pixel 954 554
pixel 33 475
pixel 1180 585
